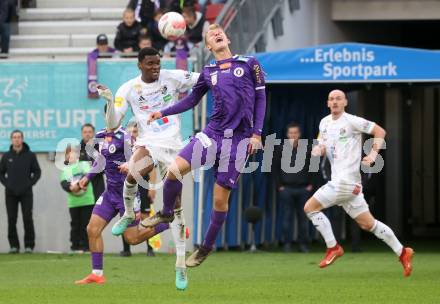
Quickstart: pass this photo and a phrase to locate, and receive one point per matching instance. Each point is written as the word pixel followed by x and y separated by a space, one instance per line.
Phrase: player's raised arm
pixel 185 80
pixel 186 103
pixel 115 109
pixel 260 97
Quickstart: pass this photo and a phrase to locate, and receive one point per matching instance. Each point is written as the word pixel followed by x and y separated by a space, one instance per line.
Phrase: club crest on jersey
pixel 238 72
pixel 164 90
pixel 138 88
pixel 214 79
pixel 366 125
pixel 342 131
pixel 112 148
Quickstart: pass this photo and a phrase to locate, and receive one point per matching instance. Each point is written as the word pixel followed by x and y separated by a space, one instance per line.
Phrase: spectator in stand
pixel 87 134
pixel 127 35
pixel 178 5
pixel 172 47
pixel 144 42
pixel 144 11
pixel 79 201
pixel 196 25
pixel 19 172
pixel 102 51
pixel 158 41
pixel 7 12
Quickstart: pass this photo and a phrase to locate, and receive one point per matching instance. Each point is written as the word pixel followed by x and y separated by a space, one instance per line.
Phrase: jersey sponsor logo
pixel 357 190
pixel 163 121
pixel 343 135
pixel 225 66
pixel 257 71
pixel 226 71
pixel 112 148
pixel 119 101
pixel 214 79
pixel 238 72
pixel 167 98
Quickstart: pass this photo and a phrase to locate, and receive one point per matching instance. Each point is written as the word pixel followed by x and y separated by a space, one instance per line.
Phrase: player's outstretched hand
pixel 104 92
pixel 154 116
pixel 123 168
pixel 83 182
pixel 254 144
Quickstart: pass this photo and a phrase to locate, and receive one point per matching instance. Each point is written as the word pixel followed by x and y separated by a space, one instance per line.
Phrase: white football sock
pixel 98 272
pixel 129 194
pixel 322 224
pixel 178 231
pixel 387 235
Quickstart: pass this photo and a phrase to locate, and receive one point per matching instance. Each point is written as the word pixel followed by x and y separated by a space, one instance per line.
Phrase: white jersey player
pixel 157 143
pixel 340 138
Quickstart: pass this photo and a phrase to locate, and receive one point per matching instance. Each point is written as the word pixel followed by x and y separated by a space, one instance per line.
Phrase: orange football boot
pixel 331 255
pixel 90 279
pixel 405 259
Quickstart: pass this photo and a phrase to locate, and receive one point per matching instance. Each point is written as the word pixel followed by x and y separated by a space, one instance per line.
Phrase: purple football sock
pixel 215 224
pixel 97 260
pixel 171 190
pixel 161 227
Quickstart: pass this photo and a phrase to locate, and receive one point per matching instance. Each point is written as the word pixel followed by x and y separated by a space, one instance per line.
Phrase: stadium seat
pixel 212 11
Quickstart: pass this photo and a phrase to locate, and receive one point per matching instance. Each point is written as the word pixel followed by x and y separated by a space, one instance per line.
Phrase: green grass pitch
pixel 373 276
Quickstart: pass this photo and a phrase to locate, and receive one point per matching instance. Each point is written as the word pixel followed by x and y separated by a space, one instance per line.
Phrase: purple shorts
pixel 110 203
pixel 226 153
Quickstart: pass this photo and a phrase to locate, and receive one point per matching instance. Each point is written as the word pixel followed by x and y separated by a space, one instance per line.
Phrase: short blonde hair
pixel 212 27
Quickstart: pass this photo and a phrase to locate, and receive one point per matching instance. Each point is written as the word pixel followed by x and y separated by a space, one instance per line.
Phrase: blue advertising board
pixel 351 62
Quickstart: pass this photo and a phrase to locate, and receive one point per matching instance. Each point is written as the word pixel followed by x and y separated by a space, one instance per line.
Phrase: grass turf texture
pixel 226 277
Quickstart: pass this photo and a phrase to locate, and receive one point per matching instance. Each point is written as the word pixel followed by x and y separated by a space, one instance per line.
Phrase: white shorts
pixel 347 195
pixel 163 152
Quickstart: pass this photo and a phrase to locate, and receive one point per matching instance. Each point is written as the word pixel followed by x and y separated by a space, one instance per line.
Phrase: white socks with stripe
pixel 129 194
pixel 178 231
pixel 387 235
pixel 322 224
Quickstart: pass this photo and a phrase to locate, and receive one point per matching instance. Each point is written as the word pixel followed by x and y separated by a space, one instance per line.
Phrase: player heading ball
pixel 238 89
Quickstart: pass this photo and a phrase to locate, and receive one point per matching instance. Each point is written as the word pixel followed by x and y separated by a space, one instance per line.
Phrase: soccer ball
pixel 172 26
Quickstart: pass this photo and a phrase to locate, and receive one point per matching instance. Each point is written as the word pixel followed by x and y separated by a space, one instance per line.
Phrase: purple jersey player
pixel 114 152
pixel 234 131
